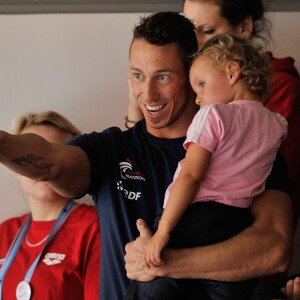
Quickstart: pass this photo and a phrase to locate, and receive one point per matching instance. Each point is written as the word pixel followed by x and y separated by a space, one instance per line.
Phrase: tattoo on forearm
pixel 32 159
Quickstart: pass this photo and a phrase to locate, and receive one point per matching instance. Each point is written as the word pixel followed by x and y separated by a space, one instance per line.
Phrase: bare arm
pixel 32 156
pixel 181 195
pixel 261 249
pixel 187 183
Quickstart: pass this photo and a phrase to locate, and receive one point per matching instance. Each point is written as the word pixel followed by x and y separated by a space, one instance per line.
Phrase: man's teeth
pixel 155 108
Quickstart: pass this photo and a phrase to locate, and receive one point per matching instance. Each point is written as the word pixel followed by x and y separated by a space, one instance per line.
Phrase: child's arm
pixel 182 193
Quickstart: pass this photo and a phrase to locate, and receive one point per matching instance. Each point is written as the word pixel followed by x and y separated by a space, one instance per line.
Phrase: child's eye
pixel 202 83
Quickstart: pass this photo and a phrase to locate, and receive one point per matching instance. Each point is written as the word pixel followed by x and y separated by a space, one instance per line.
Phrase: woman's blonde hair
pixel 52 118
pixel 255 69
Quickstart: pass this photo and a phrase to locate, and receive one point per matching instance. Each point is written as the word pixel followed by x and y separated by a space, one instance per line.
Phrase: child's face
pixel 210 84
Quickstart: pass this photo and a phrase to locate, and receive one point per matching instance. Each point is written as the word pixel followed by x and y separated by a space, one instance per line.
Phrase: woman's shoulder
pixel 14 222
pixel 285 86
pixel 85 212
pixel 8 230
pixel 284 65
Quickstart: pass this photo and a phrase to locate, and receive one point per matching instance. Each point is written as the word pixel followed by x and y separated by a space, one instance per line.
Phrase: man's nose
pixel 150 91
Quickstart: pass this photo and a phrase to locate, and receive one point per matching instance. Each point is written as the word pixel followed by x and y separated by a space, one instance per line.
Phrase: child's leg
pixel 206 223
pixel 220 222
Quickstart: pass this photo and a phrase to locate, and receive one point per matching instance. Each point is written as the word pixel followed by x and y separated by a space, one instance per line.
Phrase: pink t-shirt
pixel 243 137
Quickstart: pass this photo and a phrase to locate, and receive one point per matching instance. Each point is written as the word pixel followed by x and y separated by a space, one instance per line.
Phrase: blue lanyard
pixel 14 247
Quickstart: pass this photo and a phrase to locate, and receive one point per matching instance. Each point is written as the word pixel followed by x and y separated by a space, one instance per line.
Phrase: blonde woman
pixel 57 255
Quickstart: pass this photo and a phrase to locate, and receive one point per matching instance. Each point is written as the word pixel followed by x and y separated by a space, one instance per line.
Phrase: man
pixel 127 172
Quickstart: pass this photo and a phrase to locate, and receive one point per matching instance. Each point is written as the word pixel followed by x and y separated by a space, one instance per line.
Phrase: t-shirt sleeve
pixel 99 148
pixel 87 142
pixel 205 128
pixel 104 150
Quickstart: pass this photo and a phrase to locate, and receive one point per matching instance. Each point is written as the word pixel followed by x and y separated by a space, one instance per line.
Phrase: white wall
pixel 77 64
pixel 286 34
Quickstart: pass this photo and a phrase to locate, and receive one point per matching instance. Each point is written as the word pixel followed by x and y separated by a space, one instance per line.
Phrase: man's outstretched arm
pixel 65 168
pixel 263 248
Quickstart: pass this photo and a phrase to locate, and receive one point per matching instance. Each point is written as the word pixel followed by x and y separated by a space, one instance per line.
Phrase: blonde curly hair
pixel 255 68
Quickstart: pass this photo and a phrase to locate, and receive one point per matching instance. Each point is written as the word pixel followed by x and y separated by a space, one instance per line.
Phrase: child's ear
pixel 233 72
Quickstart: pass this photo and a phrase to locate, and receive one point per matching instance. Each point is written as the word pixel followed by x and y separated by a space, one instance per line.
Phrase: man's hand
pixel 134 257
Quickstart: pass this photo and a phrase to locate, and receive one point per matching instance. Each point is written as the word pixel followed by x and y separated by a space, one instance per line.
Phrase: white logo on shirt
pixel 127 173
pixel 128 194
pixel 53 258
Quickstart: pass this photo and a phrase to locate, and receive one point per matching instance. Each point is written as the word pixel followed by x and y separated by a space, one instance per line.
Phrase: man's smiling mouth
pixel 154 109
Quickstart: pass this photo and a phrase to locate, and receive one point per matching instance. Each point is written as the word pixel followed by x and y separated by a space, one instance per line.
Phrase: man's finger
pixel 142 227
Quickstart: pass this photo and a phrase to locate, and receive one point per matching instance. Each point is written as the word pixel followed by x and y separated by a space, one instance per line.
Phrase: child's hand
pixel 154 248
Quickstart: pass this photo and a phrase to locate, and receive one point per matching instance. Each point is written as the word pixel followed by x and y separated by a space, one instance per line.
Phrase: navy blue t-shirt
pixel 130 173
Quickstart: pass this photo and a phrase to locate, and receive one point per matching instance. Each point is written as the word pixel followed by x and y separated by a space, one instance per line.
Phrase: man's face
pixel 160 85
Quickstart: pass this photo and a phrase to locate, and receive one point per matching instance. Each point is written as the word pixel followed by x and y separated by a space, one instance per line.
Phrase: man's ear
pixel 245 28
pixel 233 72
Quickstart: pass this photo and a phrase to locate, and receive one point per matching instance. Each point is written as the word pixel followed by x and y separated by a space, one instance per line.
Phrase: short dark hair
pixel 165 28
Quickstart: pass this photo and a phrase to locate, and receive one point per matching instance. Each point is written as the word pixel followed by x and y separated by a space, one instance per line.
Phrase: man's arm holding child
pixel 263 248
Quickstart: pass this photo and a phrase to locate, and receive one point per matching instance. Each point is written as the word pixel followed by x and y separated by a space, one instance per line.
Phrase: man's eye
pixel 137 75
pixel 162 77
